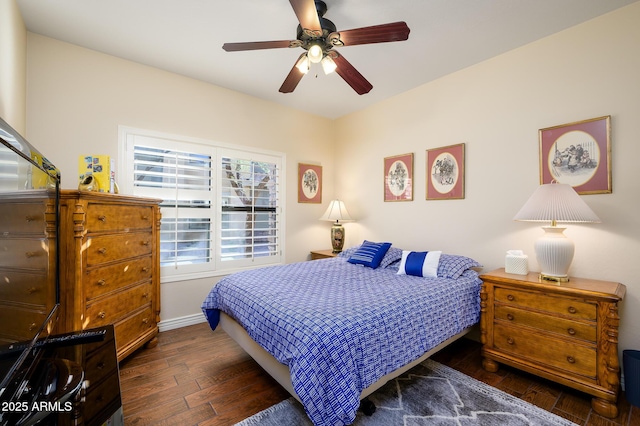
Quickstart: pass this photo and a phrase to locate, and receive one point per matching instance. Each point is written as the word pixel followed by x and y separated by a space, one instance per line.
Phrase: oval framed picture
pixel 445 173
pixel 398 178
pixel 309 183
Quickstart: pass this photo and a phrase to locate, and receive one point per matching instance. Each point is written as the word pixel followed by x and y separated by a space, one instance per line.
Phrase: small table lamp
pixel 337 212
pixel 555 202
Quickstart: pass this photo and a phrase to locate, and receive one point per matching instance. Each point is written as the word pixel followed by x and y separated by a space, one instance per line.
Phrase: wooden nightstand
pixel 565 332
pixel 322 254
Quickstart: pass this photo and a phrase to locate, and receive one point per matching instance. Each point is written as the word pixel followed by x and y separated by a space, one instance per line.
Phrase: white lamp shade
pixel 336 212
pixel 556 202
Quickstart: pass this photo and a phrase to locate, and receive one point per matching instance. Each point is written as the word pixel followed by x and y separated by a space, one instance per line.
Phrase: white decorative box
pixel 516 262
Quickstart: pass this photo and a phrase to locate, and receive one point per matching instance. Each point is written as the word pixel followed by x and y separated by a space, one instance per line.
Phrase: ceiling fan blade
pixel 257 45
pixel 351 75
pixel 307 14
pixel 395 31
pixel 292 80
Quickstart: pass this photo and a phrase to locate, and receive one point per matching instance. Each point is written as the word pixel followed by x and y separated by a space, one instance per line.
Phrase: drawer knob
pixel 145 320
pixel 572 310
pixel 571 331
pixel 102 315
pixel 100 365
pixel 30 218
pixel 101 283
pixel 102 218
pixel 145 243
pixel 102 250
pixel 571 360
pixel 31 290
pixel 145 269
pixel 33 326
pixel 145 296
pixel 30 254
pixel 144 217
pixel 510 317
pixel 510 340
pixel 510 298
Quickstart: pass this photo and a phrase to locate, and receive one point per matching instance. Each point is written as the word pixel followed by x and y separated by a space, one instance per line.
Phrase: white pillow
pixel 419 263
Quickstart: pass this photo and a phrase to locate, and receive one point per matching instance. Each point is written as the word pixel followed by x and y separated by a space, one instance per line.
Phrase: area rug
pixel 428 394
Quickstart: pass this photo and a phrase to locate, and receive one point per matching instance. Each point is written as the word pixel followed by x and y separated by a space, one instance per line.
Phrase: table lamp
pixel 337 212
pixel 555 202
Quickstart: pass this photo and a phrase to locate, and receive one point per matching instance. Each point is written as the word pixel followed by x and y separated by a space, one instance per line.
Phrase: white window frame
pixel 127 136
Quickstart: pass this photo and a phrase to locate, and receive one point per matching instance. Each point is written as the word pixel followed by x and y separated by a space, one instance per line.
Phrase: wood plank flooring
pixel 196 376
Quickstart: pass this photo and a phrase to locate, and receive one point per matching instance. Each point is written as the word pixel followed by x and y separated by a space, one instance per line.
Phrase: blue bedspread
pixel 340 327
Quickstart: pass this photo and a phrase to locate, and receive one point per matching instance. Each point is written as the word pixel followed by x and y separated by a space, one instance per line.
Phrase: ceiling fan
pixel 318 36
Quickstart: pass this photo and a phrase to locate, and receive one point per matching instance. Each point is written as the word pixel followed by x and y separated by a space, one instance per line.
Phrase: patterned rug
pixel 429 394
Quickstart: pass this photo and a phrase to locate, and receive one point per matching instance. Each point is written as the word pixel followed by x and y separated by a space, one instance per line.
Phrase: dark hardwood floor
pixel 196 376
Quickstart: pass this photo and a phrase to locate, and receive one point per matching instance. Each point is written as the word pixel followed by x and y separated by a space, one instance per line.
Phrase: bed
pixel 332 331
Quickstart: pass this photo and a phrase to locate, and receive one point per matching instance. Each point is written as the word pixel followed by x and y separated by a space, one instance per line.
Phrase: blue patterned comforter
pixel 339 327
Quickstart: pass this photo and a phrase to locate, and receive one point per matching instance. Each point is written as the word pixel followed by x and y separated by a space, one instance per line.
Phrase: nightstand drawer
pixel 564 327
pixel 569 308
pixel 563 355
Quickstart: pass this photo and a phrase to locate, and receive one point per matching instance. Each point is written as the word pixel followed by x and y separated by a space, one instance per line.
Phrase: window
pixel 221 206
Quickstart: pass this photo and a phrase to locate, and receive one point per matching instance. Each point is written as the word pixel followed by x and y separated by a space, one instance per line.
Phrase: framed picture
pixel 578 154
pixel 445 173
pixel 398 178
pixel 309 183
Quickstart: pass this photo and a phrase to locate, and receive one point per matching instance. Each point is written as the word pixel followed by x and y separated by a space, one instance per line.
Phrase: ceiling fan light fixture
pixel 328 65
pixel 303 64
pixel 315 53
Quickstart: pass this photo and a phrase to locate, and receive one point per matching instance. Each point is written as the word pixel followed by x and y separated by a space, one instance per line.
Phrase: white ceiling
pixel 186 37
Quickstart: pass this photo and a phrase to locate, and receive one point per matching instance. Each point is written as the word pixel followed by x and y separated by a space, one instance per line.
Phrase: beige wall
pixel 77 98
pixel 496 109
pixel 13 76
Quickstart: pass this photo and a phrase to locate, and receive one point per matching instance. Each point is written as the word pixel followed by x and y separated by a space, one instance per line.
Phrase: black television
pixel 29 287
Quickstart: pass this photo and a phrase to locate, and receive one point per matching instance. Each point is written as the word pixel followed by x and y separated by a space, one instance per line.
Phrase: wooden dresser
pixel 109 266
pixel 565 332
pixel 27 262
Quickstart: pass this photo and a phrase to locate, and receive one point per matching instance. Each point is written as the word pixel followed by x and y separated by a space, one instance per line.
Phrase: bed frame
pixel 280 372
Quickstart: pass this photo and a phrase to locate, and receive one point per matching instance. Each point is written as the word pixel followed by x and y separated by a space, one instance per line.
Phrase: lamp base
pixel 554 252
pixel 337 238
pixel 544 277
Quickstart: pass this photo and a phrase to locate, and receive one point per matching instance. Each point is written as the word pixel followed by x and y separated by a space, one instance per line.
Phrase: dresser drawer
pixel 133 327
pixel 19 324
pixel 24 253
pixel 28 218
pixel 109 248
pixel 102 280
pixel 23 287
pixel 111 309
pixel 567 307
pixel 113 217
pixel 564 327
pixel 548 351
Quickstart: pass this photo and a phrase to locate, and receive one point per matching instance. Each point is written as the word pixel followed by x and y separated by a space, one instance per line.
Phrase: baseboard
pixel 180 322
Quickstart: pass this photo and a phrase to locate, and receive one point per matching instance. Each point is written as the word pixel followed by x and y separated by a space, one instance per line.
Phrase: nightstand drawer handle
pixel 571 360
pixel 102 315
pixel 572 310
pixel 102 218
pixel 571 331
pixel 145 269
pixel 102 250
pixel 510 341
pixel 510 317
pixel 145 243
pixel 101 282
pixel 145 320
pixel 510 298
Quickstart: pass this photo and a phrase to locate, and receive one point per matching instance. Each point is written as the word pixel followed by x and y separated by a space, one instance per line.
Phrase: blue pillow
pixel 452 266
pixel 369 254
pixel 419 263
